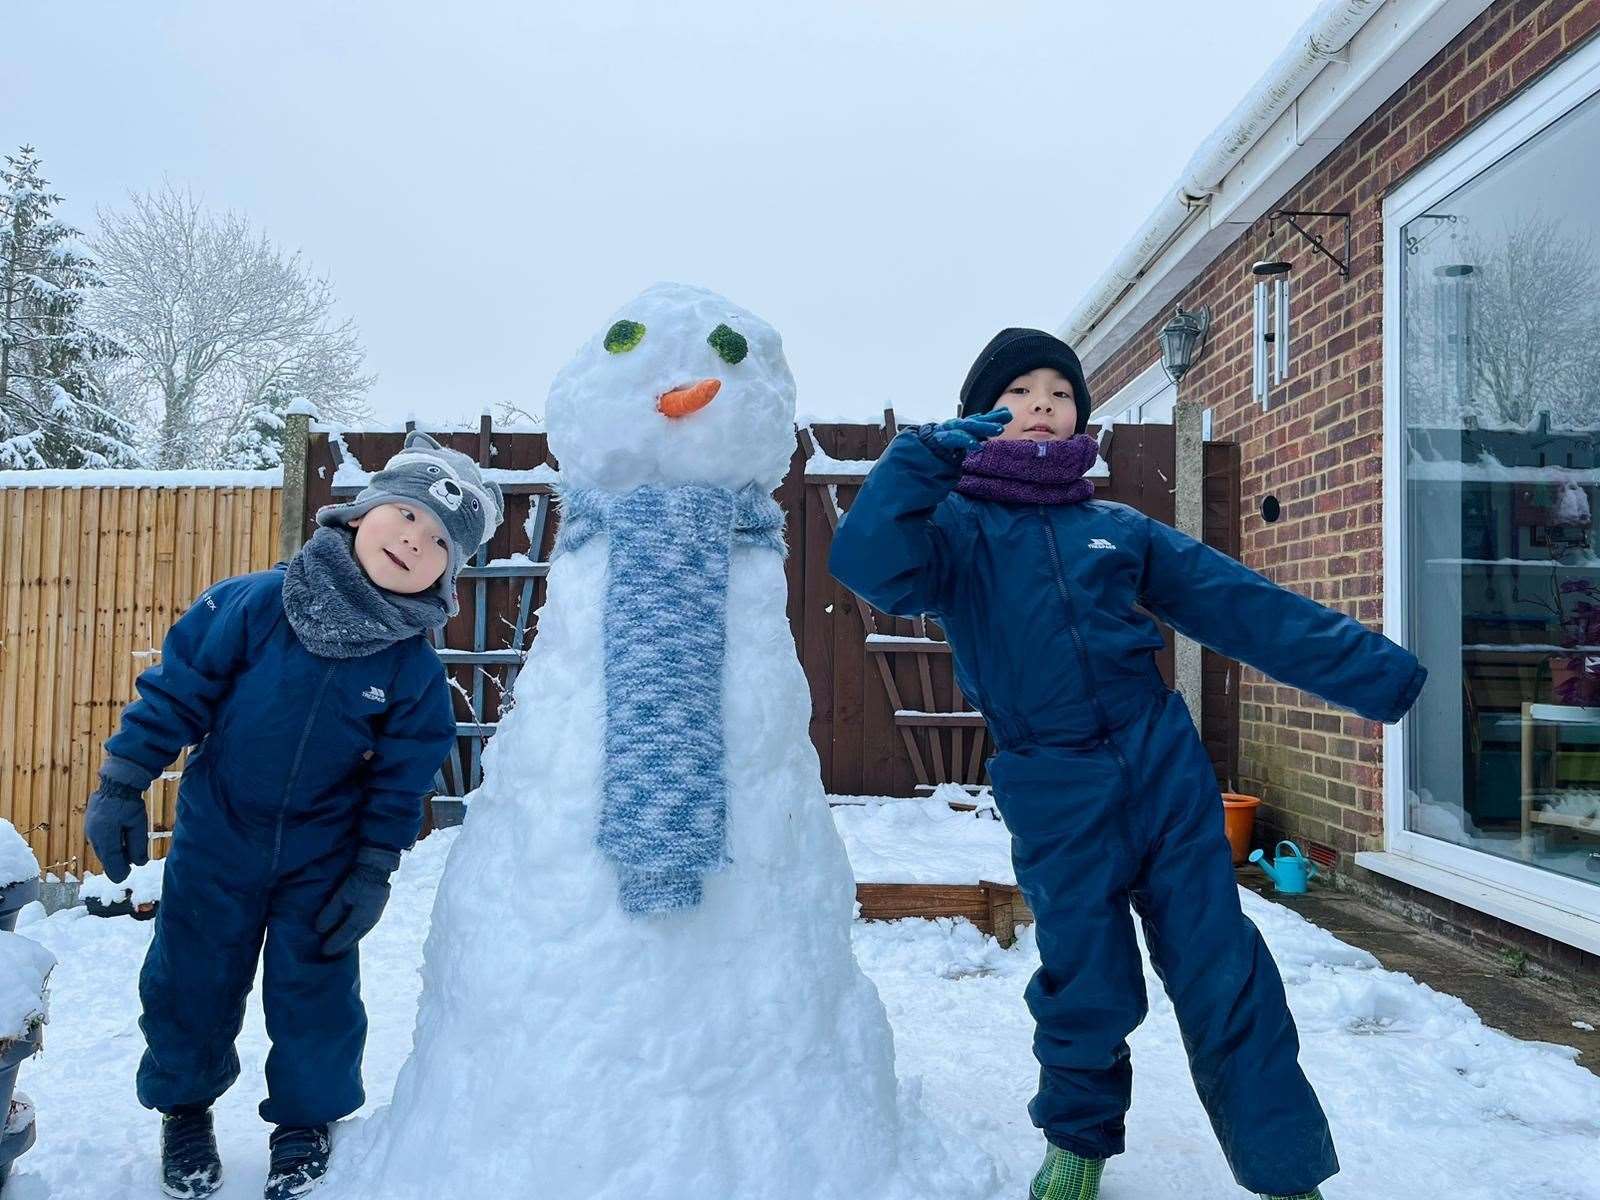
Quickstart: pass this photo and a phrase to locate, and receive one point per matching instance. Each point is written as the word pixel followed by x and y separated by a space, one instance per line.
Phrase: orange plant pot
pixel 1239 813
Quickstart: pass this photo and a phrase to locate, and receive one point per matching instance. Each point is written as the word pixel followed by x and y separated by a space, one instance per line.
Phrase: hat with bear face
pixel 445 482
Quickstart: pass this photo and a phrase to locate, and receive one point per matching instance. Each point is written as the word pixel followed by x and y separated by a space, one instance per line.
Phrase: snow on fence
pixel 94 568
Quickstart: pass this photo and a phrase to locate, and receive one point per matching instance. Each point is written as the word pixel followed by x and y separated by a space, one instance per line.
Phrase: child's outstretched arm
pixel 887 549
pixel 1218 601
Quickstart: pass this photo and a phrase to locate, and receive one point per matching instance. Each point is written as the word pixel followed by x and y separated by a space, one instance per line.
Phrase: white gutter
pixel 1294 116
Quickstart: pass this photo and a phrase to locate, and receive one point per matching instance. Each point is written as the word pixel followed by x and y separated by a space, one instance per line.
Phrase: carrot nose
pixel 680 402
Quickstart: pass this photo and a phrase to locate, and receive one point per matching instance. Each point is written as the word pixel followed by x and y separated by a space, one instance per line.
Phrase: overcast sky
pixel 887 182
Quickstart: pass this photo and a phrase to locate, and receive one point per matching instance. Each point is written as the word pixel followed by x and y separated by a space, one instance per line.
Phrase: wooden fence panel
pixel 91 578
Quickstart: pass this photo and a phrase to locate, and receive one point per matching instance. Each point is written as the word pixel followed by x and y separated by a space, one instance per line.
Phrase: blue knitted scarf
pixel 663 823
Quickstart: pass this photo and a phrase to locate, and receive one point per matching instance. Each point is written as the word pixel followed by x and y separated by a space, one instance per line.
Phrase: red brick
pixel 1536 58
pixel 1488 34
pixel 1464 83
pixel 1489 95
pixel 1581 22
pixel 1444 130
pixel 1508 48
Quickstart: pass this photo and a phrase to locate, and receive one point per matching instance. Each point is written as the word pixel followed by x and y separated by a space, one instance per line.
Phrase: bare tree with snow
pixel 1536 309
pixel 223 330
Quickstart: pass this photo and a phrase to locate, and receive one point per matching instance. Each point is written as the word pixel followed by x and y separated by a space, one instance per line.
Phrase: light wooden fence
pixel 91 577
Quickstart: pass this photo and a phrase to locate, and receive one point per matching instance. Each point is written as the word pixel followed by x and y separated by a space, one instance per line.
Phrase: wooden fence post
pixel 296 449
pixel 1189 475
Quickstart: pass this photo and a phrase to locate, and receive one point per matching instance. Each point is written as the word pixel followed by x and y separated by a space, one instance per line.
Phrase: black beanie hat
pixel 1013 352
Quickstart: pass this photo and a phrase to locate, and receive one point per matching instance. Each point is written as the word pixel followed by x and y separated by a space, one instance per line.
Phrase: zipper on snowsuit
pixel 1104 726
pixel 294 767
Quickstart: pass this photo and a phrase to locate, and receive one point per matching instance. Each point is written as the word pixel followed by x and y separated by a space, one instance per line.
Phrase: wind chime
pixel 1273 321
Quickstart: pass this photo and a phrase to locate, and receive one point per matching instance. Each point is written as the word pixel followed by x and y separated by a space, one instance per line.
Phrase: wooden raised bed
pixel 995 908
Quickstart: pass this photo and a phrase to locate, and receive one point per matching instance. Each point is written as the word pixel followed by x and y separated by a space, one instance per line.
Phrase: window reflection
pixel 1500 395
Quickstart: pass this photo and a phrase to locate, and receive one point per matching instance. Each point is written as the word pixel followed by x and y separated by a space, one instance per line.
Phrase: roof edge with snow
pixel 1340 67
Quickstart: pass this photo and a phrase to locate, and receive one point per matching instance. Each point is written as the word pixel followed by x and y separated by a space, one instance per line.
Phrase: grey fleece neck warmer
pixel 663 823
pixel 337 612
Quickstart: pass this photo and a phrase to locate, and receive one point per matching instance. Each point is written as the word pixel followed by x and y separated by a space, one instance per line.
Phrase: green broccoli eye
pixel 730 346
pixel 624 336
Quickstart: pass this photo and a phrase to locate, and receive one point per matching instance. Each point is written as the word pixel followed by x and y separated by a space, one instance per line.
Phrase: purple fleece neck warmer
pixel 1024 472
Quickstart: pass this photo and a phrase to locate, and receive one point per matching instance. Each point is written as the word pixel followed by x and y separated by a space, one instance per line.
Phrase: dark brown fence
pixel 867 744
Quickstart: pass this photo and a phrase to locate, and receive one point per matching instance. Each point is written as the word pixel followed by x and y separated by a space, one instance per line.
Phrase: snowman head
pixel 680 386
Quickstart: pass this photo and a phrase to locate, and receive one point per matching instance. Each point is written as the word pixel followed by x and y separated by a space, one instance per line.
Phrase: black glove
pixel 958 437
pixel 118 828
pixel 353 910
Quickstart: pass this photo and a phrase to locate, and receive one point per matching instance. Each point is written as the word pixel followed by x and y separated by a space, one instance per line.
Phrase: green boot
pixel 1065 1176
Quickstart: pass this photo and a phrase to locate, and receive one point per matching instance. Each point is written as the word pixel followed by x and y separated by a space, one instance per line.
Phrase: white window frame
pixel 1136 393
pixel 1519 892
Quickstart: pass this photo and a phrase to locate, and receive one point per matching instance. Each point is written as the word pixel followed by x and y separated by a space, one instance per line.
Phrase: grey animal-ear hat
pixel 445 482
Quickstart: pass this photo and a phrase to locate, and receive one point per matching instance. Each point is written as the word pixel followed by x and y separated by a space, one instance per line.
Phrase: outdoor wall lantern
pixel 1182 341
pixel 1271 339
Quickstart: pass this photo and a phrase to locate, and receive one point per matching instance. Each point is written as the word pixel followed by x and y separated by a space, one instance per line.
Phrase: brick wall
pixel 1318 450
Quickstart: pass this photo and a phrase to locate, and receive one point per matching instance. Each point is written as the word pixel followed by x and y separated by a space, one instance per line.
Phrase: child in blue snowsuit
pixel 318 714
pixel 987 522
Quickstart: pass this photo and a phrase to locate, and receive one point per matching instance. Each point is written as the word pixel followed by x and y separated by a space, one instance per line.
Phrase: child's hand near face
pixel 960 436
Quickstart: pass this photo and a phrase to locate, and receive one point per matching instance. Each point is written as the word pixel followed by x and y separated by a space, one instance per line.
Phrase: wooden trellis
pixel 457 777
pixel 935 740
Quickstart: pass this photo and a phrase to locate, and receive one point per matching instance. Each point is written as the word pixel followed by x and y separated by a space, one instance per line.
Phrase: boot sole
pixel 193 1193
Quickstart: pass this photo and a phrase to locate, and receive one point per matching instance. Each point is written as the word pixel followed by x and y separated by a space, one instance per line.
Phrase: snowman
pixel 639 982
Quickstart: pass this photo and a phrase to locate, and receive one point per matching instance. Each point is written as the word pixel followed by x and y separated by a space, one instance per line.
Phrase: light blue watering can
pixel 1289 872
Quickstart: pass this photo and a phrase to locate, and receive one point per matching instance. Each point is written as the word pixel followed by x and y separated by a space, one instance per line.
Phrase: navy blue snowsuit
pixel 1106 788
pixel 298 761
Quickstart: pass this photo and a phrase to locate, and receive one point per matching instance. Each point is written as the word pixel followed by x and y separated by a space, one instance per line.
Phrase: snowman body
pixel 570 1050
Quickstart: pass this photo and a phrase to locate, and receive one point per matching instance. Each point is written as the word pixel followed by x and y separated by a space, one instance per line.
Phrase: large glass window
pixel 1500 402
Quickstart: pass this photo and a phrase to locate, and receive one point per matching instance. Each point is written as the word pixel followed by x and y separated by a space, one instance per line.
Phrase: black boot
pixel 299 1160
pixel 190 1165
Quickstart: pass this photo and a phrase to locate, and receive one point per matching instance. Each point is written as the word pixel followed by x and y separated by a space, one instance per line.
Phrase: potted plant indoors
pixel 1575 676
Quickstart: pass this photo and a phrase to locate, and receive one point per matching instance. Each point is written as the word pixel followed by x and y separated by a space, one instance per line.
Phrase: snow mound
pixel 25 966
pixel 923 841
pixel 142 886
pixel 17 861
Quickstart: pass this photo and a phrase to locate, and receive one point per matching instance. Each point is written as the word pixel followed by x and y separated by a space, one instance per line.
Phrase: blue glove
pixel 353 910
pixel 958 437
pixel 118 828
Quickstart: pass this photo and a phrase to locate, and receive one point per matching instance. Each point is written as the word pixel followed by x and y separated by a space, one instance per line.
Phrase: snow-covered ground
pixel 1425 1101
pixel 923 841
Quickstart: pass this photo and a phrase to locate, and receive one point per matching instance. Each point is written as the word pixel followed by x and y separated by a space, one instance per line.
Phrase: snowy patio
pixel 1424 1099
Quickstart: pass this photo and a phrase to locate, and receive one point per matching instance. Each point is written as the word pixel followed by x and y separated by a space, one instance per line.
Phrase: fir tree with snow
pixel 51 413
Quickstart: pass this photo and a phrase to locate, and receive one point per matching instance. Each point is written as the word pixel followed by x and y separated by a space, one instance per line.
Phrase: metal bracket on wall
pixel 1292 219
